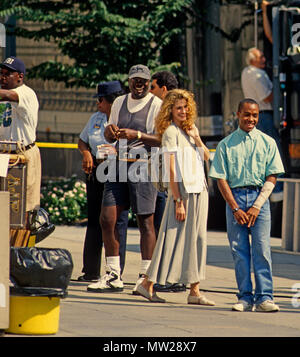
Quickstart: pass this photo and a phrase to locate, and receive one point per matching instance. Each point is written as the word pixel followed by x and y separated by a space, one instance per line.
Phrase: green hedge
pixel 65 201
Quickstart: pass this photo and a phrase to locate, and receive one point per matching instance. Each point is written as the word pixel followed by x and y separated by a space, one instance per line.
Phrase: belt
pixel 253 188
pixel 27 147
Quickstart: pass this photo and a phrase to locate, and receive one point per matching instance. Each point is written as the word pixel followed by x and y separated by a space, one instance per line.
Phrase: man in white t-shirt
pixel 132 118
pixel 257 85
pixel 18 122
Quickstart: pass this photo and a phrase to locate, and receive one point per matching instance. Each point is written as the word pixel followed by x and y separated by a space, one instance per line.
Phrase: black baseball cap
pixel 14 64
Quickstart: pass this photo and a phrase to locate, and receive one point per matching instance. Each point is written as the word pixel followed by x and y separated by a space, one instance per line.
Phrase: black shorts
pixel 140 196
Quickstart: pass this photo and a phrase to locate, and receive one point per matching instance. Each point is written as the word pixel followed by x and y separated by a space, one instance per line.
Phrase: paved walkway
pixel 86 314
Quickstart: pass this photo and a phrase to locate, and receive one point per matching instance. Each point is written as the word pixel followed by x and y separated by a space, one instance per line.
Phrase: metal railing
pixel 57 145
pixel 291 215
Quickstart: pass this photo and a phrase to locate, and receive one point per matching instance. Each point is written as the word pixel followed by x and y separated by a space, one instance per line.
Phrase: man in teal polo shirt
pixel 246 165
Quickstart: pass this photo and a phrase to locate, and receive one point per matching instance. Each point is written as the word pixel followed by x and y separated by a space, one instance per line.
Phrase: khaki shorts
pixel 34 174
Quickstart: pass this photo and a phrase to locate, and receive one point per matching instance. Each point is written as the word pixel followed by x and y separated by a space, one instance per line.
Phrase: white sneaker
pixel 139 281
pixel 242 305
pixel 110 282
pixel 267 306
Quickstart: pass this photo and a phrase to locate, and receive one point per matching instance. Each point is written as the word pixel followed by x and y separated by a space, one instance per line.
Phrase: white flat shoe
pixel 151 297
pixel 200 300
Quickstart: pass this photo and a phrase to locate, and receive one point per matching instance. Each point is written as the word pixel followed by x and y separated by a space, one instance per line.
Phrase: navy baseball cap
pixel 14 64
pixel 107 88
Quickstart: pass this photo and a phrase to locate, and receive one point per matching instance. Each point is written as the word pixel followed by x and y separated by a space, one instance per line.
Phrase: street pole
pixel 255 24
pixel 276 84
pixel 10 49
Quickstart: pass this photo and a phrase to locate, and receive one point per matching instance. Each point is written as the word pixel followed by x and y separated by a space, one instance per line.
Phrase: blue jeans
pixel 259 249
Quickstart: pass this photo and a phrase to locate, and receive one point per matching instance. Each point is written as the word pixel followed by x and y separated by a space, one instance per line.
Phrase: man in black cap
pixel 131 123
pixel 19 118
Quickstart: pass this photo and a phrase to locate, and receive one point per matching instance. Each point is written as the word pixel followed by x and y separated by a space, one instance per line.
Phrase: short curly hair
pixel 164 118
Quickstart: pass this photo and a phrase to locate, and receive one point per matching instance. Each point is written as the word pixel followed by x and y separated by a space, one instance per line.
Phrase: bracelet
pixel 139 134
pixel 178 200
pixel 235 210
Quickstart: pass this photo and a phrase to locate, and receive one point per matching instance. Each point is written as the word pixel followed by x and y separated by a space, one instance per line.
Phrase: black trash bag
pixel 40 224
pixel 41 292
pixel 40 267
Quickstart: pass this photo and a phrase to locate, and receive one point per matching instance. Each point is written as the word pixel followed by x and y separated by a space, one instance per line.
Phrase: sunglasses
pixel 8 74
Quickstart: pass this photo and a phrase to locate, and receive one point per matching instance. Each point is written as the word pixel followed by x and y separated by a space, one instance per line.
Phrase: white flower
pixel 53 195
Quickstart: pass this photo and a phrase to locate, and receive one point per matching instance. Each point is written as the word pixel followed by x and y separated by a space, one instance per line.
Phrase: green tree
pixel 102 38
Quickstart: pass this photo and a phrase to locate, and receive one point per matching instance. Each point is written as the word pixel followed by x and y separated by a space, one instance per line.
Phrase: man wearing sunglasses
pixel 132 119
pixel 18 118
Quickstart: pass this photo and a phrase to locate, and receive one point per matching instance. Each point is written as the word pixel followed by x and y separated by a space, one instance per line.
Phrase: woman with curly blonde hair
pixel 164 119
pixel 180 251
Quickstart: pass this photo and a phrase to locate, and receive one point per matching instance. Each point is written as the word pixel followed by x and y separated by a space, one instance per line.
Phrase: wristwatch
pixel 178 200
pixel 235 210
pixel 139 135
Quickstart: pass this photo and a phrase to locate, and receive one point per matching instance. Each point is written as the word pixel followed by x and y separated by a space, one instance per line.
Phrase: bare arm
pixel 266 23
pixel 179 206
pixel 87 159
pixel 240 216
pixel 254 212
pixel 9 95
pixel 269 98
pixel 111 133
pixel 194 133
pixel 131 134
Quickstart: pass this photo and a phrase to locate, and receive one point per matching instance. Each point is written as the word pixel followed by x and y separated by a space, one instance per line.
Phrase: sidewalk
pixel 86 314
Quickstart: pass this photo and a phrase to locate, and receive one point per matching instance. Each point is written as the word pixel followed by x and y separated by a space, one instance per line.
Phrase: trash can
pixel 39 277
pixel 34 311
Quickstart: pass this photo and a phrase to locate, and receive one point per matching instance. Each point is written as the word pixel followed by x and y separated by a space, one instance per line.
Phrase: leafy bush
pixel 65 200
